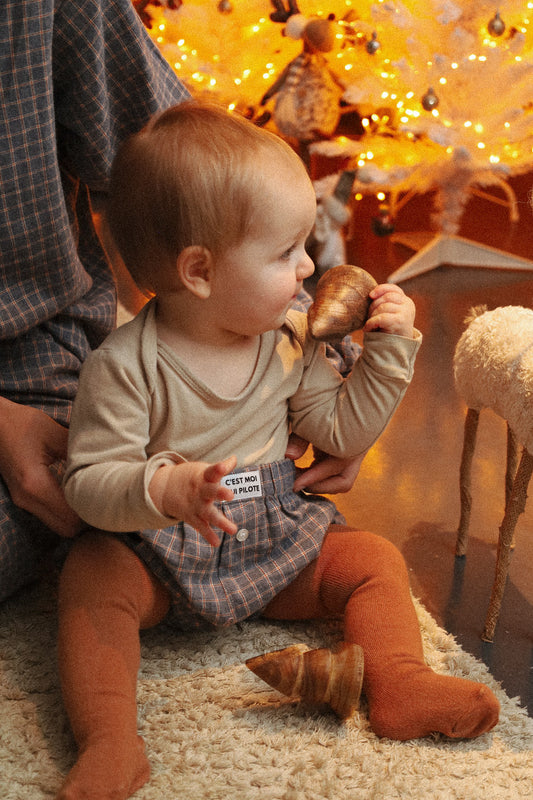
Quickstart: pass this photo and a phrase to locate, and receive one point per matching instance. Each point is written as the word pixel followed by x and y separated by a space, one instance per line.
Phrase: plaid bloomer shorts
pixel 279 533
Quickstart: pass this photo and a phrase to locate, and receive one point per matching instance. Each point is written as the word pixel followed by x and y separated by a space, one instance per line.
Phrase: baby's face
pixel 258 280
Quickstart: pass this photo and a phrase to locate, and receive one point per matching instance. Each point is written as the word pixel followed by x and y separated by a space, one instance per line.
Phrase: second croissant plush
pixel 341 303
pixel 333 677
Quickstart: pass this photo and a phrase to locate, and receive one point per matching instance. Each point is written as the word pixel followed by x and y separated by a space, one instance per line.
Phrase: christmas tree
pixel 433 95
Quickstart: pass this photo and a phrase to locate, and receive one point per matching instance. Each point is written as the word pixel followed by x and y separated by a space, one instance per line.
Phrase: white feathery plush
pixel 493 368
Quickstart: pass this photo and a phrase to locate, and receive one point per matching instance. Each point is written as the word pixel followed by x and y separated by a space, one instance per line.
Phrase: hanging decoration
pixel 307 93
pixel 383 224
pixel 430 100
pixel 327 244
pixel 373 45
pixel 496 25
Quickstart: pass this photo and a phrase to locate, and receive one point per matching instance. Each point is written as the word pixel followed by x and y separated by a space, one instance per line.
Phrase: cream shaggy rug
pixel 214 731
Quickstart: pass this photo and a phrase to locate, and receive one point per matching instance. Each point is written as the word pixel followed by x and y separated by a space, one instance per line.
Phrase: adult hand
pixel 30 442
pixel 327 474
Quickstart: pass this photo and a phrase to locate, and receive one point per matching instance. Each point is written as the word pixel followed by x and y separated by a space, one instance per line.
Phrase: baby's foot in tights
pixel 423 702
pixel 106 771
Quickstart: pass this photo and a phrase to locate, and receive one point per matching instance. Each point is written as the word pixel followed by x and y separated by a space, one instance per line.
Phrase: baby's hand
pixel 391 311
pixel 188 492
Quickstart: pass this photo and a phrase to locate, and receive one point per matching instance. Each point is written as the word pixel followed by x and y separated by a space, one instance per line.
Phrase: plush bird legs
pixel 106 595
pixel 364 578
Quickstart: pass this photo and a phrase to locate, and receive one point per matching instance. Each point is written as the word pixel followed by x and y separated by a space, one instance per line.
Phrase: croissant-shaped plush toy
pixel 341 303
pixel 333 677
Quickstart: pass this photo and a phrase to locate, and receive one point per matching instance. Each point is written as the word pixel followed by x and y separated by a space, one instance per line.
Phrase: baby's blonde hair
pixel 191 176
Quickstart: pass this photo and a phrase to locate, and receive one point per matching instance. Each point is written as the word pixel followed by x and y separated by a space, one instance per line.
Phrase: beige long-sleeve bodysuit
pixel 139 407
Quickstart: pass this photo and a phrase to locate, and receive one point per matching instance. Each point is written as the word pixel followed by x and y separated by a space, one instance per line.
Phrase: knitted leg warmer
pixel 364 578
pixel 106 595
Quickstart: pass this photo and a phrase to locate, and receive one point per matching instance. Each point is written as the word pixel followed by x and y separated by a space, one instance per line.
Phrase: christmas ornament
pixel 429 100
pixel 307 92
pixel 382 225
pixel 496 26
pixel 333 212
pixel 373 45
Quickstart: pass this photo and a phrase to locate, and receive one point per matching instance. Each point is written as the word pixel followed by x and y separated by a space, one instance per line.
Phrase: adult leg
pixel 364 578
pixel 106 595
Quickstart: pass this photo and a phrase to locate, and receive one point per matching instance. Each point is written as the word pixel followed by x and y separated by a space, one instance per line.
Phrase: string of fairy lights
pixel 432 84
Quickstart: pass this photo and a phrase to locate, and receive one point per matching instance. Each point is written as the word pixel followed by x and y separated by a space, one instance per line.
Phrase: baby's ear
pixel 195 268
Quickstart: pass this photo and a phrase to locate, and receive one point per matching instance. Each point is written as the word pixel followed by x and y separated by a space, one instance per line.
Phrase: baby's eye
pixel 288 253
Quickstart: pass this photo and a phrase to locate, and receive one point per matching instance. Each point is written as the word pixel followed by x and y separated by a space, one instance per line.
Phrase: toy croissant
pixel 333 677
pixel 341 303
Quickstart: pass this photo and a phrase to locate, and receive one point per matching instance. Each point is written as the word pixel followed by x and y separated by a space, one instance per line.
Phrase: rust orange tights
pixel 107 595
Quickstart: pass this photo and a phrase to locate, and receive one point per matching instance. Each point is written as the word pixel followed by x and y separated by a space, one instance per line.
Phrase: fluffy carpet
pixel 214 731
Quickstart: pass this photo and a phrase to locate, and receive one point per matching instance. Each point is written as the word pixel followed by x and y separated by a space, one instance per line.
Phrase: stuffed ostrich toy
pixel 493 368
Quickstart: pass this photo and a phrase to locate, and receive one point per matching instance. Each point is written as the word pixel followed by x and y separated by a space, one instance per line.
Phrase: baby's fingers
pixel 215 472
pixel 217 518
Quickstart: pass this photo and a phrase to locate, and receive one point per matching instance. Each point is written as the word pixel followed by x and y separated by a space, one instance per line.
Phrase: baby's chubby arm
pixel 188 492
pixel 390 311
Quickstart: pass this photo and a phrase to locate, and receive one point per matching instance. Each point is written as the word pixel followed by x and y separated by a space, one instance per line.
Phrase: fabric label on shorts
pixel 244 484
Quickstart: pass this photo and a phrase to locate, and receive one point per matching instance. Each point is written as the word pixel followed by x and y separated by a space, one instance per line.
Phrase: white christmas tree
pixel 442 88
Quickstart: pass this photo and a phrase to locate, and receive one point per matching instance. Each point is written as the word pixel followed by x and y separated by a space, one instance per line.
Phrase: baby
pixel 178 440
